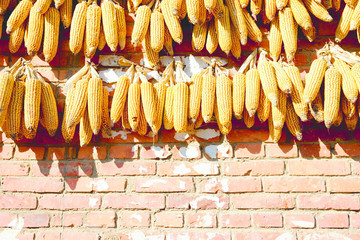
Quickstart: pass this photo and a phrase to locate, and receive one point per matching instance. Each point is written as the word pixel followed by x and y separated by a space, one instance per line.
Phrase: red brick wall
pixel 254 189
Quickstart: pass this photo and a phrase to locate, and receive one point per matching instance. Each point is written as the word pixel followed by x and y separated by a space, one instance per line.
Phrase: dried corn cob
pixel 224 100
pixel 68 133
pixel 110 25
pixel 16 38
pixel 327 4
pixel 58 3
pixel 51 33
pixel 85 131
pixel 66 13
pixel 49 111
pixel 172 22
pixel 168 41
pixel 235 41
pixel 79 102
pixel 244 3
pixel 280 4
pixel 169 109
pixel 142 127
pixel 94 103
pixel 270 9
pixel 18 16
pixel 338 119
pixel 318 10
pixel 279 111
pixel 288 28
pixel 120 17
pixel 223 129
pixel 252 94
pixel 264 109
pixel 160 94
pixel 141 25
pixel 343 27
pixel 175 6
pixel 34 37
pixel 212 38
pixel 348 82
pixel 151 56
pixel 275 133
pixel 310 34
pixel 223 30
pixel 203 13
pixel 283 80
pixel 182 13
pixel 351 122
pixel 351 3
pixel 4 4
pixel 301 108
pixel 275 39
pixel 255 7
pixel 218 11
pixel 195 90
pixel 292 121
pixel 210 5
pixel 6 88
pixel 301 15
pixel 157 31
pixel 119 98
pixel 93 23
pixel 336 5
pixel 317 109
pixel 193 8
pixel 239 85
pixel 25 132
pixel 199 37
pixel 314 79
pixel 347 107
pixel 181 106
pixel 238 19
pixel 41 6
pixel 134 100
pixel 208 96
pixel 102 40
pixel 355 18
pixel 15 109
pixel 249 121
pixel 32 104
pixel 125 118
pixel 106 125
pixel 148 99
pixel 77 29
pixel 253 30
pixel 268 81
pixel 355 71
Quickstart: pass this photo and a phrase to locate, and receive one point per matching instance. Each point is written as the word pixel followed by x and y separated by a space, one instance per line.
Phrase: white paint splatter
pixel 216 200
pixel 207 133
pixel 225 185
pixel 93 202
pixel 159 152
pixel 181 170
pixel 136 216
pixel 181 136
pixel 151 182
pixel 189 152
pixel 100 185
pixel 142 169
pixel 15 227
pixel 285 236
pixel 211 151
pixel 224 149
pixel 206 220
pixel 123 134
pixel 303 224
pixel 182 185
pixel 211 184
pixel 206 168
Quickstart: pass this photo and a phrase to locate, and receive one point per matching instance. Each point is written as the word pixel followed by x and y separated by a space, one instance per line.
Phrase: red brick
pixel 124 152
pixel 347 149
pixel 265 235
pixel 81 202
pixel 328 202
pixel 281 151
pixel 231 185
pixel 80 235
pixel 188 152
pixel 344 185
pixel 254 168
pixel 355 220
pixel 235 220
pixel 320 150
pixel 169 220
pixel 300 60
pixel 41 169
pixel 50 75
pixel 95 185
pixel 318 167
pixel 136 234
pixel 250 136
pixel 4 61
pixel 134 201
pixel 328 235
pixel 267 220
pixel 164 184
pixel 100 219
pixel 293 184
pixel 333 220
pixel 356 168
pixel 56 220
pixel 204 202
pixel 250 151
pixel 155 152
pixel 26 236
pixel 48 236
pixel 72 219
pixel 36 220
pixel 30 153
pixel 6 152
pixel 56 153
pixel 39 185
pixel 126 137
pixel 192 235
pixel 202 220
pixel 219 151
pixel 113 168
pixel 50 202
pixel 249 201
pixel 74 169
pixel 187 168
pixel 6 219
pixel 299 220
pixel 134 219
pixel 14 169
pixel 92 153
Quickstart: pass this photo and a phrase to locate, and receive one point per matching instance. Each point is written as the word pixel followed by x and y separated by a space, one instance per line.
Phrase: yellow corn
pixel 58 3
pixel 195 90
pixel 172 22
pixel 34 37
pixel 212 38
pixel 288 28
pixel 94 103
pixel 301 108
pixel 235 40
pixel 18 16
pixel 85 132
pixel 292 121
pixel 15 110
pixel 252 93
pixel 4 4
pixel 347 107
pixel 224 32
pixel 32 104
pixel 255 7
pixel 134 99
pixel 270 9
pixel 336 5
pixel 283 80
pixel 160 94
pixel 238 19
pixel 68 133
pixel 106 125
pixel 120 17
pixel 142 127
pixel 199 37
pixel 318 10
pixel 327 4
pixel 314 79
pixel 351 3
pixel 218 11
pixel 352 122
pixel 263 111
pixel 110 25
pixel 41 6
pixel 210 5
pixel 66 13
pixel 239 85
pixel 25 132
pixel 157 30
pixel 148 99
pixel 141 25
pixel 183 11
pixel 275 39
pixel 168 41
pixel 119 98
pixel 175 6
pixel 249 121
pixel 199 121
pixel 301 15
pixel 268 81
pixel 194 8
pixel 49 111
pixel 208 96
pixel 181 106
pixel 169 109
pixel 275 133
pixel 102 40
pixel 16 38
pixel 348 81
pixel 203 13
pixel 355 70
pixel 280 4
pixel 151 56
pixel 51 33
pixel 224 99
pixel 310 34
pixel 317 108
pixel 339 119
pixel 79 102
pixel 244 3
pixel 279 111
pixel 125 118
pixel 77 29
pixel 343 27
pixel 224 129
pixel 93 23
pixel 253 30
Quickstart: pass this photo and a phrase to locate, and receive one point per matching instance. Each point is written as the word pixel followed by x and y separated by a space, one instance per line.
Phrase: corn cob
pixel 121 26
pixel 157 31
pixel 274 133
pixel 4 4
pixel 252 93
pixel 253 30
pixel 336 5
pixel 49 111
pixel 210 5
pixel 310 34
pixel 275 39
pixel 351 122
pixel 94 104
pixel 280 4
pixel 125 118
pixel 347 107
pixel 199 37
pixel 235 40
pixel 270 9
pixel 130 6
pixel 160 94
pixel 263 16
pixel 134 99
pixel 169 109
pixel 343 27
pixel 327 4
pixel 219 9
pixel 77 29
pixel 18 16
pixel 255 7
pixel 142 127
pixel 203 13
pixel 301 108
pixel 244 3
pixel 85 132
pixel 212 38
pixel 195 90
pixel 181 106
pixel 6 88
pixel 224 99
pixel 32 104
pixel 110 24
pixel 301 15
pixel 355 71
pixel 268 81
pixel 279 111
pixel 288 28
pixel 318 10
pixel 66 13
pixel 92 34
pixel 208 96
pixel 238 19
pixel 119 99
pixel 168 41
pixel 314 79
pixel 15 109
pixel 223 30
pixel 172 22
pixel 34 37
pixel 16 38
pixel 183 12
pixel 68 133
pixel 102 40
pixel 175 6
pixel 25 132
pixel 106 125
pixel 249 121
pixel 51 33
pixel 79 102
pixel 351 3
pixel 223 129
pixel 193 8
pixel 58 3
pixel 141 25
pixel 283 80
pixel 292 121
pixel 148 99
pixel 317 108
pixel 239 85
pixel 263 111
pixel 348 81
pixel 41 6
pixel 151 56
pixel 199 121
pixel 338 120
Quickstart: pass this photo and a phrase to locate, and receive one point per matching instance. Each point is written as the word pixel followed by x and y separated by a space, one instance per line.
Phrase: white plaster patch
pixel 189 152
pixel 216 200
pixel 111 75
pixel 326 236
pixel 224 149
pixel 303 224
pixel 142 169
pixel 123 134
pixel 151 182
pixel 181 170
pixel 207 133
pixel 100 185
pixel 211 151
pixel 205 168
pixel 15 227
pixel 211 184
pixel 285 236
pixel 136 216
pixel 92 202
pixel 225 185
pixel 95 151
pixel 109 60
pixel 181 136
pixel 182 185
pixel 206 220
pixel 158 151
